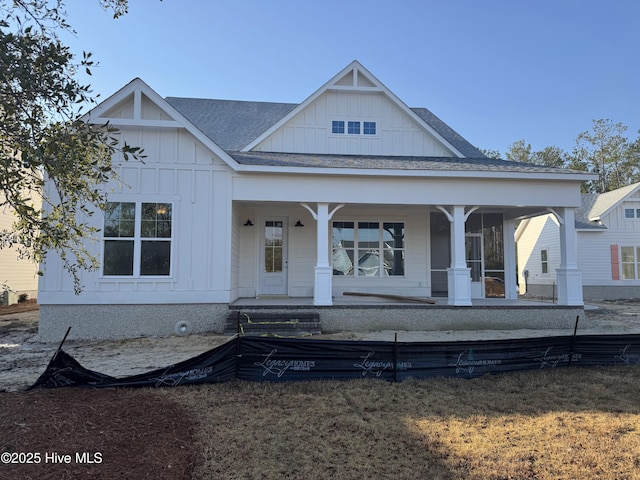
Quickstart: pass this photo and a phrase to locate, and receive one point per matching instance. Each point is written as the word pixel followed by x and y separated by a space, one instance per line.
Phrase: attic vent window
pixel 353 127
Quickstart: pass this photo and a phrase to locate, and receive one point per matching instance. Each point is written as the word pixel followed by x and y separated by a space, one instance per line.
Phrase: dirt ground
pixel 23 357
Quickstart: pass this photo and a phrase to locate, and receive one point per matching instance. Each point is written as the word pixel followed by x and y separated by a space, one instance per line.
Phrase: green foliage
pixel 606 151
pixel 42 136
pixel 603 150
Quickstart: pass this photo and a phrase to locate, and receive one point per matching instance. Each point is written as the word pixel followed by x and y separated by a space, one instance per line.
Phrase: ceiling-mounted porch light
pixel 248 223
pixel 299 224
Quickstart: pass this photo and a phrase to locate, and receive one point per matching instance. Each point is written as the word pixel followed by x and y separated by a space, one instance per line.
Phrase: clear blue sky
pixel 495 70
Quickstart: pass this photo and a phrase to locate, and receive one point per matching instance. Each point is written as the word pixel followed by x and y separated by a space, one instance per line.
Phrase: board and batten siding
pixel 178 170
pixel 310 130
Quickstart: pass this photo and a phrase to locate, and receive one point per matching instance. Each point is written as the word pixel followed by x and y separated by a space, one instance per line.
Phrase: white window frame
pixel 381 248
pixel 544 262
pixel 138 239
pixel 635 263
pixel 346 128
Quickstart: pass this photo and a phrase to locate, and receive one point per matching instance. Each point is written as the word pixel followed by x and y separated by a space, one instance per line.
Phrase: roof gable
pixel 138 105
pixel 356 79
pixel 596 206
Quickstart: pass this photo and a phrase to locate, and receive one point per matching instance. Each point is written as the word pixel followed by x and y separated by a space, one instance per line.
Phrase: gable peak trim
pixel 358 76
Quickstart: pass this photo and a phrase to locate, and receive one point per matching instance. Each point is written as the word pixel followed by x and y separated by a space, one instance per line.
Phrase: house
pixel 244 204
pixel 608 244
pixel 18 275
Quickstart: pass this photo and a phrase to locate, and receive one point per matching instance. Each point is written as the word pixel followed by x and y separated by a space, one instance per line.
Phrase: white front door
pixel 273 257
pixel 474 256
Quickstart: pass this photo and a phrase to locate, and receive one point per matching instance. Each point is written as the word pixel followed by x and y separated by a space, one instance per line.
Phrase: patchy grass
pixel 567 423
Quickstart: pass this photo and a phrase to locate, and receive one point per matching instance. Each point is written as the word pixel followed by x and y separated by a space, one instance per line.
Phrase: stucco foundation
pixel 127 321
pixel 130 321
pixel 436 318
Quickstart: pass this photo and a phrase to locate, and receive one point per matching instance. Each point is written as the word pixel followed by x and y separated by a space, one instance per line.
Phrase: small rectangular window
pixel 628 261
pixel 353 128
pixel 369 128
pixel 544 261
pixel 629 213
pixel 337 126
pixel 637 212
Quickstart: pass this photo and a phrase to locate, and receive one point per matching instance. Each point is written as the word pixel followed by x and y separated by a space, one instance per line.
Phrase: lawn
pixel 570 423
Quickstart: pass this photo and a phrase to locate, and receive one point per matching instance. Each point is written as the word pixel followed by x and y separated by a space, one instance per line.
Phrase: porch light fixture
pixel 248 223
pixel 299 224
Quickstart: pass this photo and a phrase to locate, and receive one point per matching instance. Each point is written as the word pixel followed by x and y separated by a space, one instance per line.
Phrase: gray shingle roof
pixel 453 137
pixel 230 124
pixel 388 162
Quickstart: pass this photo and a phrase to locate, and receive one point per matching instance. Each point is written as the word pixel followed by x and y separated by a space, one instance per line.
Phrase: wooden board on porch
pixel 391 297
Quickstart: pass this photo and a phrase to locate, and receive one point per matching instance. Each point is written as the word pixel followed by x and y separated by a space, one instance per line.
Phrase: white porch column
pixel 458 274
pixel 569 276
pixel 323 273
pixel 510 261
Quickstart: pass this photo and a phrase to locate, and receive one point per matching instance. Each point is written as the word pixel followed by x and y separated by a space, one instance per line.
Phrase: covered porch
pixel 309 254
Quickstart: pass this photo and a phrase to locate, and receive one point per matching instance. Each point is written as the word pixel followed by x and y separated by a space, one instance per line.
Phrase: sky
pixel 496 71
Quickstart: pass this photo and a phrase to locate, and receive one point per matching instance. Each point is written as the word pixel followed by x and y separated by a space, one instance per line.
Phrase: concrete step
pixel 286 324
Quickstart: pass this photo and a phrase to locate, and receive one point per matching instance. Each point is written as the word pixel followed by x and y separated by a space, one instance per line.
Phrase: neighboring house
pixel 350 190
pixel 19 275
pixel 608 245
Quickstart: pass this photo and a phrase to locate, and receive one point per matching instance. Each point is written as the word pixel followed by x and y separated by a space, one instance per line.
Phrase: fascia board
pixel 355 172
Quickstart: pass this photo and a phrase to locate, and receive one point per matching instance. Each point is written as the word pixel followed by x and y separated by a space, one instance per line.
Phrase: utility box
pixel 9 297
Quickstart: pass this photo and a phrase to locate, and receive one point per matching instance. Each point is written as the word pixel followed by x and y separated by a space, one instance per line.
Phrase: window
pixel 273 246
pixel 544 261
pixel 378 248
pixel 630 213
pixel 137 239
pixel 629 259
pixel 353 127
pixel 369 128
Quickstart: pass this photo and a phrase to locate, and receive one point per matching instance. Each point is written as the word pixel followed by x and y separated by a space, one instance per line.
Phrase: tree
pixel 43 137
pixel 550 157
pixel 489 153
pixel 605 151
pixel 519 151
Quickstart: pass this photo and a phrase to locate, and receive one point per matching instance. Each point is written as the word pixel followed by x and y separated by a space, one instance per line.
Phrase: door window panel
pixel 273 246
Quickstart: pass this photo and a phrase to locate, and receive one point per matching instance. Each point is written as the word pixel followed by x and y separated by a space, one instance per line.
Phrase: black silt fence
pixel 293 359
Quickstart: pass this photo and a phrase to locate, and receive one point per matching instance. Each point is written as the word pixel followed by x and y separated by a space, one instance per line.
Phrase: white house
pixel 608 244
pixel 350 190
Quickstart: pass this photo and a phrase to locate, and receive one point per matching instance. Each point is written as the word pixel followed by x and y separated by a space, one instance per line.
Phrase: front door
pixel 273 257
pixel 473 244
